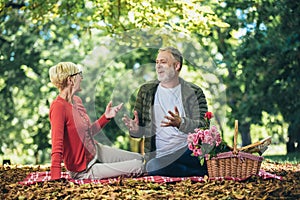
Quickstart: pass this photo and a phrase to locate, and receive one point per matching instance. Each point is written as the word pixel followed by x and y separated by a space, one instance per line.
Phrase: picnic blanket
pixel 36 177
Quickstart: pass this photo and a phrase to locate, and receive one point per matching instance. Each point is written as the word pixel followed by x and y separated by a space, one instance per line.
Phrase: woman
pixel 72 133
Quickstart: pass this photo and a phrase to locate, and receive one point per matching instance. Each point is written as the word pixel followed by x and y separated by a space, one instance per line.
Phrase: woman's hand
pixel 110 111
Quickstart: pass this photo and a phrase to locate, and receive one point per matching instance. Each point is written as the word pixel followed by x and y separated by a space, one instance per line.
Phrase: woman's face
pixel 77 78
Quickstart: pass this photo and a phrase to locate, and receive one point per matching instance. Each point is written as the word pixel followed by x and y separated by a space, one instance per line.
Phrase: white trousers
pixel 112 162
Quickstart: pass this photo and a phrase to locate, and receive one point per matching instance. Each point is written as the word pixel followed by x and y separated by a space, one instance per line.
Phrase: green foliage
pixel 36 34
pixel 28 48
pixel 259 68
pixel 262 63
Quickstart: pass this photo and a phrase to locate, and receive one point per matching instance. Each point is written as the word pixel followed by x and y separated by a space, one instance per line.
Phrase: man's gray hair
pixel 175 52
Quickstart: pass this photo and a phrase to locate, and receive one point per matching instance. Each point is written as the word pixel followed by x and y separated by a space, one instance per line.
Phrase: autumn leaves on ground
pixel 253 188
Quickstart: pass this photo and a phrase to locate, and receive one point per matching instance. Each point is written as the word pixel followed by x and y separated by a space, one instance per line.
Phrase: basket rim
pixel 231 154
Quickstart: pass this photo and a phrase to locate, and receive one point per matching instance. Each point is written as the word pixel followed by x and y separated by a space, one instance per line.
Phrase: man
pixel 166 110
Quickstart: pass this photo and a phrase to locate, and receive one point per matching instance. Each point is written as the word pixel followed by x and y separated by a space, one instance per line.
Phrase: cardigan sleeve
pixel 57 120
pixel 142 107
pixel 196 106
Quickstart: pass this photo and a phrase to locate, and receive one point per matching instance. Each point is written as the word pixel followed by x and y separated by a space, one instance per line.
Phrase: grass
pixel 293 158
pixel 278 153
pixel 274 153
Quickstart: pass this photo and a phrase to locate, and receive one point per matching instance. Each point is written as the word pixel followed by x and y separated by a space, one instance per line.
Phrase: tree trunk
pixel 293 144
pixel 244 129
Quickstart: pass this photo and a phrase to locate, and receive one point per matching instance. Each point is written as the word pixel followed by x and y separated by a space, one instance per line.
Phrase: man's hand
pixel 173 119
pixel 132 124
pixel 110 111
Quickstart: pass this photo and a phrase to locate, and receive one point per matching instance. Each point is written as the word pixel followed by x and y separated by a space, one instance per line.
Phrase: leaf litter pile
pixel 126 188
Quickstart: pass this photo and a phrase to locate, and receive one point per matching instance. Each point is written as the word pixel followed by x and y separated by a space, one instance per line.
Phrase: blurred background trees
pixel 254 44
pixel 265 63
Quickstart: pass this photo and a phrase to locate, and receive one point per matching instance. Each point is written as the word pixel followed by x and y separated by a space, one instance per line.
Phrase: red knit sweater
pixel 72 135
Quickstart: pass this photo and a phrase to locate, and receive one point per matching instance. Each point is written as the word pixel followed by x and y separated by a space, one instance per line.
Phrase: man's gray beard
pixel 170 76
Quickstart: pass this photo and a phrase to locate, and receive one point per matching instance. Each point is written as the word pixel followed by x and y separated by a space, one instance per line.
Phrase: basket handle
pixel 236 129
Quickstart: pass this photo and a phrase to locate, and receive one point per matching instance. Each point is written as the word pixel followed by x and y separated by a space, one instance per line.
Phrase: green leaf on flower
pixel 201 161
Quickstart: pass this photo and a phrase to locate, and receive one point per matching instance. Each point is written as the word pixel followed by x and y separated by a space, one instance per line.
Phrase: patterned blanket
pixel 36 177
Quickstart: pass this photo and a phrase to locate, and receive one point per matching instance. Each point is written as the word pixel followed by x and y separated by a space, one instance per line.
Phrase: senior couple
pixel 166 110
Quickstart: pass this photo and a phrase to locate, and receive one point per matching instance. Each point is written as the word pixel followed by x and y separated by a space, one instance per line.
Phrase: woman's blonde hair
pixel 59 73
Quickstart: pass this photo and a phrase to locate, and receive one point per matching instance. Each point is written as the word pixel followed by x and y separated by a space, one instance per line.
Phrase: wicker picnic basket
pixel 235 163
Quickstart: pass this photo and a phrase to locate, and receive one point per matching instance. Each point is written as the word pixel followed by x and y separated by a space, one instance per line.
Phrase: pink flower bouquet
pixel 207 141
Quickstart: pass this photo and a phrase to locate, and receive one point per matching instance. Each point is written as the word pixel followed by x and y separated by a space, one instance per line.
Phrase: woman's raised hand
pixel 111 111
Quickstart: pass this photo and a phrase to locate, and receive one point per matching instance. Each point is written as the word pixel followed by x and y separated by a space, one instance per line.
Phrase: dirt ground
pixel 253 188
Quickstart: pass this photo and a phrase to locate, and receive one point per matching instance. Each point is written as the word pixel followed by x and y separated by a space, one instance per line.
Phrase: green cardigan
pixel 194 103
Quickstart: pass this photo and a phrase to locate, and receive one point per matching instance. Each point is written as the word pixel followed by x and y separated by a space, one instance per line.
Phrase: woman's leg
pixel 113 162
pixel 107 154
pixel 128 168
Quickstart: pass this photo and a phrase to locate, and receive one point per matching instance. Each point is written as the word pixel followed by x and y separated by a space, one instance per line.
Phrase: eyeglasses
pixel 80 74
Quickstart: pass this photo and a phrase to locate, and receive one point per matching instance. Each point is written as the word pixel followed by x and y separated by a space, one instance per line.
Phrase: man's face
pixel 166 67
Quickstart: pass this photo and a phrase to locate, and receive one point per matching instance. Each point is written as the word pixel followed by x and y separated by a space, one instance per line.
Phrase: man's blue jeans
pixel 179 164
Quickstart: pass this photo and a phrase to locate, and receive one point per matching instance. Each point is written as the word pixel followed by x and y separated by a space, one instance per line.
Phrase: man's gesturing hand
pixel 173 119
pixel 132 124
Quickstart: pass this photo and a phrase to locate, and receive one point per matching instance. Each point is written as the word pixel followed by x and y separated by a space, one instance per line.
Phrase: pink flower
pixel 207 132
pixel 190 137
pixel 214 129
pixel 195 139
pixel 197 152
pixel 208 139
pixel 191 146
pixel 201 134
pixel 197 129
pixel 204 140
pixel 218 139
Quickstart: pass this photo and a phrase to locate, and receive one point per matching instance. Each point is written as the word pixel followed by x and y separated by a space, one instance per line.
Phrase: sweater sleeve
pixel 99 124
pixel 96 126
pixel 57 120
